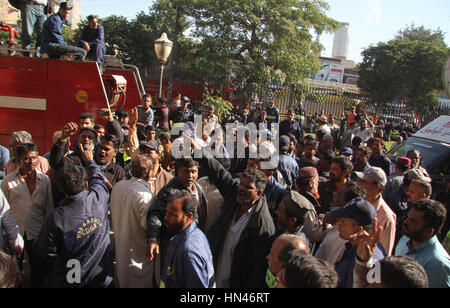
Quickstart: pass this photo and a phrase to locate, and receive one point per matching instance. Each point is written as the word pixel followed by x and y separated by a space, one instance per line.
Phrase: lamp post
pixel 163 48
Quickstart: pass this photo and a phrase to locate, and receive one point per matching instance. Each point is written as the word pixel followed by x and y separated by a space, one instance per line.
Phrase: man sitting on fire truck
pixel 52 39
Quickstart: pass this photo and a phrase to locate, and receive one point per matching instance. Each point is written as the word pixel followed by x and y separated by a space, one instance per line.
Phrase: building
pixel 341 41
pixel 9 14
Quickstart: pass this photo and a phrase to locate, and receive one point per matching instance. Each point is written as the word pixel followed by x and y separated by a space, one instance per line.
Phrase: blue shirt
pixel 52 32
pixel 189 262
pixel 433 258
pixel 288 167
pixel 344 267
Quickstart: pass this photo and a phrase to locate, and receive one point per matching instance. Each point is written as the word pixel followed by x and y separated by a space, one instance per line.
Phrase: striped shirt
pixel 145 116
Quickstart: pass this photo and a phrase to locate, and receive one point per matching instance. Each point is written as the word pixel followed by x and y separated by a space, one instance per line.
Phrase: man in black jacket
pixel 242 236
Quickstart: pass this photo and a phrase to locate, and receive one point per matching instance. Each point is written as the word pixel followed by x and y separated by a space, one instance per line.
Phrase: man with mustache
pixel 424 221
pixel 242 236
pixel 340 170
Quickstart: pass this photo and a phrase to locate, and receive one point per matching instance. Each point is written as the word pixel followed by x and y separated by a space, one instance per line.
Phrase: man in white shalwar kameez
pixel 130 201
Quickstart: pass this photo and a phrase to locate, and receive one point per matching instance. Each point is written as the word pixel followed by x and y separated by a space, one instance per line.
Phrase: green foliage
pixel 259 42
pixel 408 67
pixel 222 107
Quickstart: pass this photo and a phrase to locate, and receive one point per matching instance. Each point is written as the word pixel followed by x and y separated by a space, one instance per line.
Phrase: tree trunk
pixel 173 62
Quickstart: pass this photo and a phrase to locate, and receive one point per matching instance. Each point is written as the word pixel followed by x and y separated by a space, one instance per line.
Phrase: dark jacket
pixel 249 263
pixel 78 230
pixel 58 159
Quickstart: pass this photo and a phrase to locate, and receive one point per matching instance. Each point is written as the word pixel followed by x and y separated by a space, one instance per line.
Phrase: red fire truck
pixel 41 95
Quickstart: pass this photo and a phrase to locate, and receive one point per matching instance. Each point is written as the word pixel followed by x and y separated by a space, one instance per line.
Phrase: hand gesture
pixel 367 242
pixel 133 117
pixel 153 250
pixel 68 130
pixel 87 155
pixel 105 114
pixel 194 144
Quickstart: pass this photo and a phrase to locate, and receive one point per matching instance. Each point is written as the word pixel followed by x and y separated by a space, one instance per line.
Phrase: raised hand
pixel 367 242
pixel 68 130
pixel 86 155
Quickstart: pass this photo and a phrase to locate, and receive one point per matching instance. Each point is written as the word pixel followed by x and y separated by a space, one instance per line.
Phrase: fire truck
pixel 41 95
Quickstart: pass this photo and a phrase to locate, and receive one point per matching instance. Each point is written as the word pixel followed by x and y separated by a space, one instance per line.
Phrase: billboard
pixel 330 72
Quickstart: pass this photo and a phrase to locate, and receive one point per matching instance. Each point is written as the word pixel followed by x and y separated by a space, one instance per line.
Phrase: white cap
pixel 373 174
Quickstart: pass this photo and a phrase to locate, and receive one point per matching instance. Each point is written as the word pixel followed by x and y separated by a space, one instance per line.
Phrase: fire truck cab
pixel 41 95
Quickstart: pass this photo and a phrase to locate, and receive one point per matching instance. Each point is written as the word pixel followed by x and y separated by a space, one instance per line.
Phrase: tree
pixel 407 68
pixel 251 43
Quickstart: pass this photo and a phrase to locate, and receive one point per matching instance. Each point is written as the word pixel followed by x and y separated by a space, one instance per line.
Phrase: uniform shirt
pixel 273 116
pixel 433 258
pixel 189 263
pixel 78 230
pixel 29 211
pixel 180 116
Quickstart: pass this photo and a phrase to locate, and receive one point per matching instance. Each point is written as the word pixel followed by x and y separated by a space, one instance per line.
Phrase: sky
pixel 371 21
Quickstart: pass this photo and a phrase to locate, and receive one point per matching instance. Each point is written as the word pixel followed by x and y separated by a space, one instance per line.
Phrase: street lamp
pixel 163 48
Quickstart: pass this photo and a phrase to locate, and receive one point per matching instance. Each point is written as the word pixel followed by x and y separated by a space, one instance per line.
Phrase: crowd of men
pixel 113 206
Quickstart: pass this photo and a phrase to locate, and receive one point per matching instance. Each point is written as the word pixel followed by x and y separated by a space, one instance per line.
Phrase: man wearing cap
pixel 308 185
pixel 181 114
pixel 395 180
pixel 159 177
pixel 353 218
pixel 291 126
pixel 296 215
pixel 287 165
pixel 273 115
pixel 425 220
pixel 52 38
pixel 347 152
pixel 373 181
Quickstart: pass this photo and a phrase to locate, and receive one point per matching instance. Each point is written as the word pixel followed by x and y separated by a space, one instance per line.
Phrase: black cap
pixel 152 145
pixel 185 99
pixel 65 6
pixel 359 210
pixel 89 129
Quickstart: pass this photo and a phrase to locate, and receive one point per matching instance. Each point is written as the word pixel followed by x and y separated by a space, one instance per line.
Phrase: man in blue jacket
pixel 189 262
pixel 52 39
pixel 73 247
pixel 93 40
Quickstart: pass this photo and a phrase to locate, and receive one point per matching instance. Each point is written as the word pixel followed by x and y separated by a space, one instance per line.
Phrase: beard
pixel 88 147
